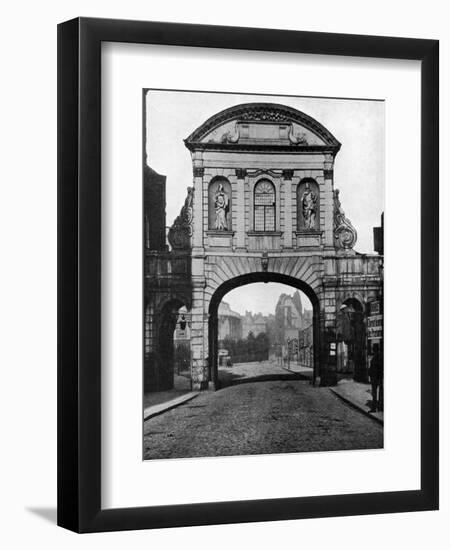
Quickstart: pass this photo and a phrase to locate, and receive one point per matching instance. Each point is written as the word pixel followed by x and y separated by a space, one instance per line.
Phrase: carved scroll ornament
pixel 181 231
pixel 344 233
pixel 229 137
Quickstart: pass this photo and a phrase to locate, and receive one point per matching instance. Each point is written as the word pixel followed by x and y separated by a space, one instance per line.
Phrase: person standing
pixel 376 379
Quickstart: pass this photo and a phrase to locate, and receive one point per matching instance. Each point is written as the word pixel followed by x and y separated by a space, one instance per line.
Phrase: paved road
pixel 259 418
pixel 263 369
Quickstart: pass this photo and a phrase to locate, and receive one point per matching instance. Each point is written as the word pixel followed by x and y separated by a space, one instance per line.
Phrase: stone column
pixel 197 237
pixel 198 251
pixel 328 201
pixel 240 208
pixel 199 346
pixel 328 351
pixel 287 214
pixel 199 369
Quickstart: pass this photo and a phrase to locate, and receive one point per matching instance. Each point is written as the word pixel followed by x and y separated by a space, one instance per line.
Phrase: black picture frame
pixel 79 274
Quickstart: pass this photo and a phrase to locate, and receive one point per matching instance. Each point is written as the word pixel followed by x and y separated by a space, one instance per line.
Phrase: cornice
pixel 260 148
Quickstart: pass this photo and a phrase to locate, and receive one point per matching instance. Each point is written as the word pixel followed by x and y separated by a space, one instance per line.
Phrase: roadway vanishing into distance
pixel 276 416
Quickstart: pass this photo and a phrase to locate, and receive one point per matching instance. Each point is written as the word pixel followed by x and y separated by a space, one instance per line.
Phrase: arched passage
pixel 164 360
pixel 249 278
pixel 351 339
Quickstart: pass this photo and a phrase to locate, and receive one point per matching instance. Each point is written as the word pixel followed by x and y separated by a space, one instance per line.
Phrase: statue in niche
pixel 221 206
pixel 309 200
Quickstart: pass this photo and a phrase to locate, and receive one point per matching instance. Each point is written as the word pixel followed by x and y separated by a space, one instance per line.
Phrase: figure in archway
pixel 221 205
pixel 309 200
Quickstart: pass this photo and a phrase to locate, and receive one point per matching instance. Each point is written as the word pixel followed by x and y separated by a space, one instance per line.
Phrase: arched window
pixel 264 206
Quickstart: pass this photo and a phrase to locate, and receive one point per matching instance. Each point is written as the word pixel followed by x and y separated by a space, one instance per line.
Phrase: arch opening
pixel 170 359
pixel 351 340
pixel 263 326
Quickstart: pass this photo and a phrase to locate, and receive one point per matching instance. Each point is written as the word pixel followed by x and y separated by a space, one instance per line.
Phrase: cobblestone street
pixel 258 418
pixel 263 370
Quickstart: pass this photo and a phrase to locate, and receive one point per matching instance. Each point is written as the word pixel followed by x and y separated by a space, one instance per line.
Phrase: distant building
pixel 255 323
pixel 230 323
pixel 293 323
pixel 306 346
pixel 307 317
pixel 290 317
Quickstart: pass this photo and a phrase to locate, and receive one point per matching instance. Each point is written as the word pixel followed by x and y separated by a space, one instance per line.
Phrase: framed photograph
pixel 248 275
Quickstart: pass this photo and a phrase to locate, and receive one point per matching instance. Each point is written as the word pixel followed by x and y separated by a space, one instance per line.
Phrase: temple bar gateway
pixel 263 207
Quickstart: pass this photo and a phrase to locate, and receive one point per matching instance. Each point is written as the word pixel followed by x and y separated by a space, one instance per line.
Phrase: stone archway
pixel 258 277
pixel 242 146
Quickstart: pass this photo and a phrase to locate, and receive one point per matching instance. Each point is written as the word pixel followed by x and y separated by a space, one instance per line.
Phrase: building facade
pixel 255 323
pixel 263 207
pixel 229 323
pixel 289 317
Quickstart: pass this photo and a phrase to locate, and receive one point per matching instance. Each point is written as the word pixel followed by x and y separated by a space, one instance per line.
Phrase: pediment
pixel 262 124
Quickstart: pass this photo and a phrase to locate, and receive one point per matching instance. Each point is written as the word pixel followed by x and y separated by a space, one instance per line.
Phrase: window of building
pixel 264 206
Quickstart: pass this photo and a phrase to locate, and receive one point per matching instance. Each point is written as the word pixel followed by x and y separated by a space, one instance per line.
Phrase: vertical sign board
pixel 375 322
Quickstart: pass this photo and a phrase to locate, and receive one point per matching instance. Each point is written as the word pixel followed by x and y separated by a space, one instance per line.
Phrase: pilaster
pixel 287 214
pixel 241 175
pixel 328 203
pixel 197 237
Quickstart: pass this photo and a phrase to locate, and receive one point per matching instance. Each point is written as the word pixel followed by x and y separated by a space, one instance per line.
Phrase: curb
pixel 304 374
pixel 156 410
pixel 357 406
pixel 264 378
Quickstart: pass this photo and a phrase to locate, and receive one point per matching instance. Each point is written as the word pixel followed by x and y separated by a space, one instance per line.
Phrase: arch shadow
pixel 354 309
pixel 249 278
pixel 163 367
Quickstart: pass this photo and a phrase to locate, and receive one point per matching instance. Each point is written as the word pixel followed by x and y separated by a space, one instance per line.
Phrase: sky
pixel 260 297
pixel 358 171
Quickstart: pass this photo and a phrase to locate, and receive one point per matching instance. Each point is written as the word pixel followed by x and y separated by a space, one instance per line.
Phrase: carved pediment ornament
pixel 229 137
pixel 345 235
pixel 297 138
pixel 180 233
pixel 263 112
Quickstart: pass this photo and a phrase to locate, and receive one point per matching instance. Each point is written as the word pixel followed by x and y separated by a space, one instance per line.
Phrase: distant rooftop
pixel 226 311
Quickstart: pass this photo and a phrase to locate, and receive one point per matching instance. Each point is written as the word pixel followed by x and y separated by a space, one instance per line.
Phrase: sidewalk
pixel 358 395
pixel 157 402
pixel 159 408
